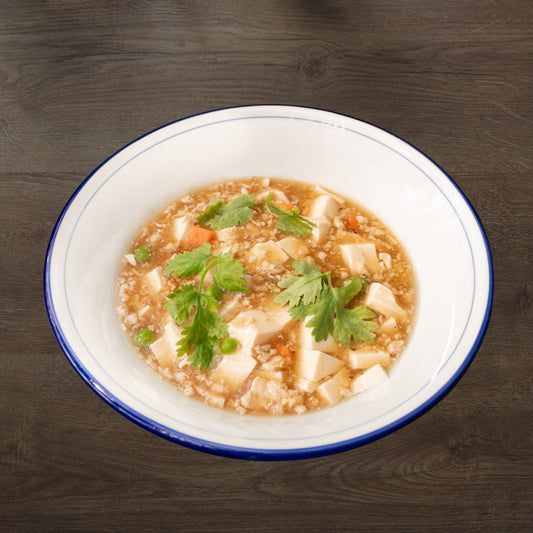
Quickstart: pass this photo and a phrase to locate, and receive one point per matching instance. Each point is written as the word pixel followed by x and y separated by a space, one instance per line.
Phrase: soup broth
pixel 267 296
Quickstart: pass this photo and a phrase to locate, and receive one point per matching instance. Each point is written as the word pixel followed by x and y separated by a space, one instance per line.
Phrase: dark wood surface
pixel 80 79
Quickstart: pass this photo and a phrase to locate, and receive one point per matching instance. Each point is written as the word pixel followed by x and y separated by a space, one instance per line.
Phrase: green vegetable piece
pixel 289 221
pixel 228 345
pixel 142 254
pixel 235 213
pixel 214 292
pixel 206 333
pixel 311 294
pixel 187 264
pixel 144 337
pixel 230 274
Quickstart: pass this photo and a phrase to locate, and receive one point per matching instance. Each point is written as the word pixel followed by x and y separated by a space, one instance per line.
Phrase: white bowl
pixel 411 194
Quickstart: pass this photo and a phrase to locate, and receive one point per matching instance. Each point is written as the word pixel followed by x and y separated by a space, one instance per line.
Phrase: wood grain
pixel 78 80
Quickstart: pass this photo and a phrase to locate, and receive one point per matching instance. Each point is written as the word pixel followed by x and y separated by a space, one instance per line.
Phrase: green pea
pixel 215 292
pixel 228 345
pixel 142 254
pixel 144 337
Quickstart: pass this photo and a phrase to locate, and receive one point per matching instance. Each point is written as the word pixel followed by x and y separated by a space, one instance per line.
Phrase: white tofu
pixel 278 312
pixel 369 379
pixel 227 234
pixel 314 365
pixel 365 359
pixel 381 299
pixel 293 247
pixel 182 226
pixel 306 385
pixel 389 327
pixel 321 229
pixel 130 258
pixel 235 367
pixel 324 207
pixel 331 390
pixel 214 399
pixel 229 309
pixel 386 259
pixel 321 190
pixel 308 341
pixel 360 258
pixel 277 195
pixel 155 279
pixel 253 327
pixel 172 333
pixel 269 251
pixel 164 352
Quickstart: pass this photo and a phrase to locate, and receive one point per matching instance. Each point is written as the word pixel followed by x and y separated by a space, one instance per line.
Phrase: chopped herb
pixel 289 221
pixel 236 212
pixel 311 294
pixel 142 254
pixel 207 332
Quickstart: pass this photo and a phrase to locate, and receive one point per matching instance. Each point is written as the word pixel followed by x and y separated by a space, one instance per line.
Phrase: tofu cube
pixel 277 196
pixel 331 390
pixel 130 258
pixel 306 385
pixel 320 230
pixel 389 327
pixel 293 247
pixel 324 207
pixel 230 309
pixel 164 352
pixel 269 251
pixel 369 379
pixel 182 226
pixel 366 359
pixel 235 367
pixel 155 279
pixel 360 258
pixel 381 299
pixel 308 341
pixel 314 365
pixel 253 327
pixel 172 333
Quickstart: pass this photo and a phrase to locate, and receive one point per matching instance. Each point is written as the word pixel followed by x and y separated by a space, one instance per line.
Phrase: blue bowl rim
pixel 244 452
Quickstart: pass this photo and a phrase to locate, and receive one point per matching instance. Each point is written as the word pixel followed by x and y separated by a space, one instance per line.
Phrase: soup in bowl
pixel 373 206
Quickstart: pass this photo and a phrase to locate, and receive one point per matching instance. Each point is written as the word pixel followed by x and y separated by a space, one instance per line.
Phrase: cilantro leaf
pixel 187 264
pixel 303 289
pixel 353 323
pixel 289 221
pixel 201 338
pixel 311 294
pixel 235 213
pixel 214 207
pixel 229 274
pixel 180 303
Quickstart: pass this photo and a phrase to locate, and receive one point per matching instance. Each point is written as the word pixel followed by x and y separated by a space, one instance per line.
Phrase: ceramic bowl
pixel 404 188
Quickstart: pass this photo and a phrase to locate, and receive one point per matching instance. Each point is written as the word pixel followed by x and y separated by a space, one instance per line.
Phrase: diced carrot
pixel 287 207
pixel 198 236
pixel 351 222
pixel 284 350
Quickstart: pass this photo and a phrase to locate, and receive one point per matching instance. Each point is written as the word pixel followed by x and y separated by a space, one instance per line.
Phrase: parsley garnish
pixel 203 336
pixel 311 294
pixel 236 212
pixel 289 221
pixel 240 210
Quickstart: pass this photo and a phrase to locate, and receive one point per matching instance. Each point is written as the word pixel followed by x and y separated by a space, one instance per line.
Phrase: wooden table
pixel 78 80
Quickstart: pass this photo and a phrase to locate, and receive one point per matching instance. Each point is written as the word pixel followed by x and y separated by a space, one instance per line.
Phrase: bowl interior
pixel 408 192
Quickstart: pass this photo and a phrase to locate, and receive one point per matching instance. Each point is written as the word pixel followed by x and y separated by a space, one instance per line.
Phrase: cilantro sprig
pixel 201 339
pixel 240 210
pixel 289 221
pixel 311 294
